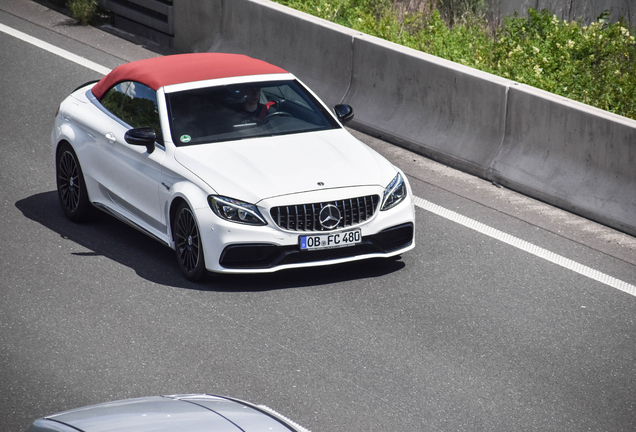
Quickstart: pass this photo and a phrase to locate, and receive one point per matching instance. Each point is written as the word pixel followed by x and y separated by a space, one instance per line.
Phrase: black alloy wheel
pixel 71 188
pixel 188 246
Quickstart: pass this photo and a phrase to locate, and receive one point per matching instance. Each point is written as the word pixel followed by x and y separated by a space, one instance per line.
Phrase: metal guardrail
pixel 150 18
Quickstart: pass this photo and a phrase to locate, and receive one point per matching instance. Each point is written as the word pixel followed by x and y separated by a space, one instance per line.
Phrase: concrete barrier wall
pixel 567 154
pixel 446 111
pixel 197 24
pixel 571 155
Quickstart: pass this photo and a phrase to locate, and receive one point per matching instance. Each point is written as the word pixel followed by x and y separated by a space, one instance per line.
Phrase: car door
pixel 129 173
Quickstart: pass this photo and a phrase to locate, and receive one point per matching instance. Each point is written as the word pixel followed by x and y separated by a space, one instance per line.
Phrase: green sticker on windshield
pixel 185 138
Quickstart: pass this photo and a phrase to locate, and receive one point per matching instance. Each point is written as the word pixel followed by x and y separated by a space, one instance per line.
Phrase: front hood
pixel 260 168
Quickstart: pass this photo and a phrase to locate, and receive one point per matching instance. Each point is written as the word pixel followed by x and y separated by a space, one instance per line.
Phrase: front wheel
pixel 188 246
pixel 71 187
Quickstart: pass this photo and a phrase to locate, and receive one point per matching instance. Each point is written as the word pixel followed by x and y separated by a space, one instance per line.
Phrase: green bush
pixel 593 64
pixel 83 11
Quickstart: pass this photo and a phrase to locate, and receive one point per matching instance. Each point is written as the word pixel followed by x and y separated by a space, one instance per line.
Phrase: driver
pixel 252 108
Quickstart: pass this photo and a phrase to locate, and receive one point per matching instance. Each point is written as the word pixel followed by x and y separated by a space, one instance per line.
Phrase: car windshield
pixel 251 110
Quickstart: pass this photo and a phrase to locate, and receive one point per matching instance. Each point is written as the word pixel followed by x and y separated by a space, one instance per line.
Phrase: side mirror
pixel 144 136
pixel 343 112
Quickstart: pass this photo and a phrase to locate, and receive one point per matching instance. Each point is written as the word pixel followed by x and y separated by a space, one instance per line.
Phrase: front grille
pixel 305 217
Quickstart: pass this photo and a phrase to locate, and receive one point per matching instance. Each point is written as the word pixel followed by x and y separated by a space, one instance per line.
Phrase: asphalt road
pixel 464 333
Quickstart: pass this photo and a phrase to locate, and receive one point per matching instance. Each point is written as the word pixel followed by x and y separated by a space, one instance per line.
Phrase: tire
pixel 187 244
pixel 71 187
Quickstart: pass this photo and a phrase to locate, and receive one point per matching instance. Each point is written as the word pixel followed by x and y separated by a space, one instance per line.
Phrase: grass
pixel 83 11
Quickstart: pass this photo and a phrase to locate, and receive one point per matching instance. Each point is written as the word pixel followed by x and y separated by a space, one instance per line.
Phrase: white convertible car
pixel 230 161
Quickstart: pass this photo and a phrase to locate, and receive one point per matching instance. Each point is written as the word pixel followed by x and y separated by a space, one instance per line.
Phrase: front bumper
pixel 392 241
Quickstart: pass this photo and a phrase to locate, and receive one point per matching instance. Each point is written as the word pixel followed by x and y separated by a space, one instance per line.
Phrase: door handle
pixel 110 137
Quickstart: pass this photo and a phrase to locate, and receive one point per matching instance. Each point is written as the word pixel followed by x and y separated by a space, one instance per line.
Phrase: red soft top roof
pixel 181 68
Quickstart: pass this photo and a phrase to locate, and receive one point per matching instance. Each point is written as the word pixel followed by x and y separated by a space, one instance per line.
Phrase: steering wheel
pixel 273 114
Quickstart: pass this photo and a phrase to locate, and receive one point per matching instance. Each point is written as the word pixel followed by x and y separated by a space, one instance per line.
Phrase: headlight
pixel 394 193
pixel 235 210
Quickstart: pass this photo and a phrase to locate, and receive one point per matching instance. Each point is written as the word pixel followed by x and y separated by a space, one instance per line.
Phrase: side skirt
pixel 131 223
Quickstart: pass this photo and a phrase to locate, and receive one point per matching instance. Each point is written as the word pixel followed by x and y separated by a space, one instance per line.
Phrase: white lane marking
pixel 525 246
pixel 55 50
pixel 422 203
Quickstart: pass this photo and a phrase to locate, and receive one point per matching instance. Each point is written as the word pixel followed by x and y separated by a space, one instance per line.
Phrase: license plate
pixel 329 241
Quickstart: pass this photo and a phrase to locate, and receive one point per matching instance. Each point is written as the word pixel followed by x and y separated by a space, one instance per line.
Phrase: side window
pixel 135 104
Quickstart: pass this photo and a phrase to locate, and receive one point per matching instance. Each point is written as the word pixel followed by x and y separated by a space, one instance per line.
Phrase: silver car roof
pixel 191 413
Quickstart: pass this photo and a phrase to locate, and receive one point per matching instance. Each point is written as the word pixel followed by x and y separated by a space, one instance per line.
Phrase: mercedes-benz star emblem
pixel 329 216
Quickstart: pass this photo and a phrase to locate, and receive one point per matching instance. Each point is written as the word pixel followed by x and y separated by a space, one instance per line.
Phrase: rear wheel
pixel 188 246
pixel 71 188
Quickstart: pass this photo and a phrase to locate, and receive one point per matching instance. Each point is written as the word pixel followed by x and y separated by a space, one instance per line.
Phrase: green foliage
pixel 83 11
pixel 592 64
